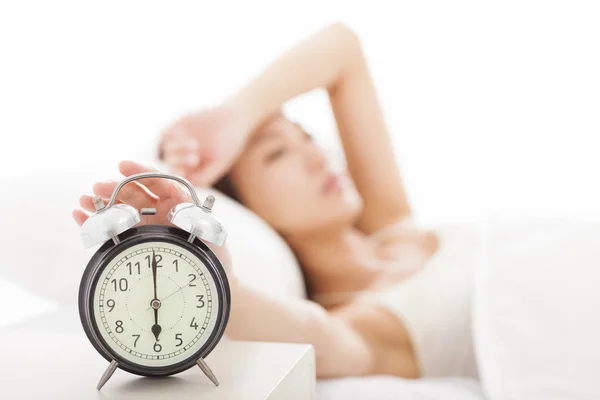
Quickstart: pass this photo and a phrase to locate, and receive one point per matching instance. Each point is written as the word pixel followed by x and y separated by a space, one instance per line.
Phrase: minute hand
pixel 156 328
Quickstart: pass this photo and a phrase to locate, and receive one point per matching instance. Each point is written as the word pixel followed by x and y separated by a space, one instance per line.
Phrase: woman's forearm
pixel 333 59
pixel 316 62
pixel 340 350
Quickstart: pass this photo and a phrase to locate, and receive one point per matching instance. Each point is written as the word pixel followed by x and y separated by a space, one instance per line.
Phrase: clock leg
pixel 107 374
pixel 207 371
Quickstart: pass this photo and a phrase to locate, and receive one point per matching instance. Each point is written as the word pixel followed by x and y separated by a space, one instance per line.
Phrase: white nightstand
pixel 36 365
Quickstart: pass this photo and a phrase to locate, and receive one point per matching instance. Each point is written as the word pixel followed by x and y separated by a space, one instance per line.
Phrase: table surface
pixel 53 365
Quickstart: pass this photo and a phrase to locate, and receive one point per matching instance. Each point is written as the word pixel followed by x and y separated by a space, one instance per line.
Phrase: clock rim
pixel 134 236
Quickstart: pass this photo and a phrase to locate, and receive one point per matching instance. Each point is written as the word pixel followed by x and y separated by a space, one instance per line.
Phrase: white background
pixel 493 106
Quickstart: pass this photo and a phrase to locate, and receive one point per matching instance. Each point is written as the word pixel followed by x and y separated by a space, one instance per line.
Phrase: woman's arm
pixel 340 346
pixel 353 340
pixel 340 349
pixel 333 59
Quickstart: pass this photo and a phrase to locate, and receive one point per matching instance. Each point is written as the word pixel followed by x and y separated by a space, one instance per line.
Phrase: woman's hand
pixel 161 194
pixel 201 146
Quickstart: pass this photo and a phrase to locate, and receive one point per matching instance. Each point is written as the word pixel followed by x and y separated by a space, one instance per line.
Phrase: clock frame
pixel 132 237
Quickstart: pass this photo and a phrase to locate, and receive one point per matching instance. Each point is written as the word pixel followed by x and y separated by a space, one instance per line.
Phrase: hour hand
pixel 156 328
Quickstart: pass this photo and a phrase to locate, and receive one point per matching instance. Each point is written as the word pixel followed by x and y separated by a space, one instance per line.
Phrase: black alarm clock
pixel 154 300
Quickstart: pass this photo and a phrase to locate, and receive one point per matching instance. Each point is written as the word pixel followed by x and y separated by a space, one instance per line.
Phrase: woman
pixel 377 303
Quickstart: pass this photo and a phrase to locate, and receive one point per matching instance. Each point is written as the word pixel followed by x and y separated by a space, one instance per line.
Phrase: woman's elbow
pixel 345 31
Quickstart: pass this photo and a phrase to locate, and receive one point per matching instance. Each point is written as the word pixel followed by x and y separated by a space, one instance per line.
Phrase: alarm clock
pixel 154 300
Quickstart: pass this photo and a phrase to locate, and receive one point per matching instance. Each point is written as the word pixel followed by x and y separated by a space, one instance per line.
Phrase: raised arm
pixel 333 59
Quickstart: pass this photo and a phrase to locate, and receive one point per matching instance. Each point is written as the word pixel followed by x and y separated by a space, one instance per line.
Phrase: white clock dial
pixel 189 304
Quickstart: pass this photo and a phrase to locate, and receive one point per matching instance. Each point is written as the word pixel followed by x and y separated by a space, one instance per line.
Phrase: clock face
pixel 162 329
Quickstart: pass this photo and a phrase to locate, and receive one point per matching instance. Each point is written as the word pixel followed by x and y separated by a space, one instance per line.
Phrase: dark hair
pixel 225 186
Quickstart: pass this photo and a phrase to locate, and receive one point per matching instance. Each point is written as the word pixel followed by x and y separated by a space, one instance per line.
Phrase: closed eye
pixel 274 155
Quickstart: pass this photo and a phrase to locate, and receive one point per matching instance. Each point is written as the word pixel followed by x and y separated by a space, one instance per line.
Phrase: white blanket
pixel 392 388
pixel 537 311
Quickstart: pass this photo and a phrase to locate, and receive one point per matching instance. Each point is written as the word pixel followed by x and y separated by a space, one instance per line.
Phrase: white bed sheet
pixel 392 388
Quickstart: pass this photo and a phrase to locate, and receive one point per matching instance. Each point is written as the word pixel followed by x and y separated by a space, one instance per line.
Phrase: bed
pixel 535 305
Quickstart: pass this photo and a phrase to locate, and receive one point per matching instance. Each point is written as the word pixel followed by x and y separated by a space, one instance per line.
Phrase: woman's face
pixel 284 177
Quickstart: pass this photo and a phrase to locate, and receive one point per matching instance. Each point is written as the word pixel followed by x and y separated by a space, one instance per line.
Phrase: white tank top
pixel 435 304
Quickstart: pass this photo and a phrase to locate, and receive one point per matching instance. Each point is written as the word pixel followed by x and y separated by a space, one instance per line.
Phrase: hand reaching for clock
pixel 155 302
pixel 161 194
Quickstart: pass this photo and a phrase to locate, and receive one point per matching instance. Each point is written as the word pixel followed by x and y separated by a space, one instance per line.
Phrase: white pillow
pixel 537 311
pixel 259 255
pixel 43 253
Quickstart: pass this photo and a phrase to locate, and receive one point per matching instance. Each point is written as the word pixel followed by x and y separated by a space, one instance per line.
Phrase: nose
pixel 315 158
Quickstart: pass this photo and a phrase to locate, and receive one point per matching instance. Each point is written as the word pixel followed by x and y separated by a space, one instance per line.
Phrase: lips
pixel 333 183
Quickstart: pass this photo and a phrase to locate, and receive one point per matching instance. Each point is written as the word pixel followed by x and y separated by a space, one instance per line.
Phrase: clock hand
pixel 175 292
pixel 178 290
pixel 155 303
pixel 156 327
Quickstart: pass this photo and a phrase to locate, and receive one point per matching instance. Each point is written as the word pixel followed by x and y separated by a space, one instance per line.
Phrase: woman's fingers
pixel 181 152
pixel 79 216
pixel 181 144
pixel 105 189
pixel 208 174
pixel 179 194
pixel 160 187
pixel 87 203
pixel 132 193
pixel 183 159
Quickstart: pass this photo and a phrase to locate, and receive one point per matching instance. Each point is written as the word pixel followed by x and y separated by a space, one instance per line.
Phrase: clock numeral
pixel 157 347
pixel 111 304
pixel 176 263
pixel 122 285
pixel 179 340
pixel 137 337
pixel 137 264
pixel 119 327
pixel 200 300
pixel 192 279
pixel 193 324
pixel 158 260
